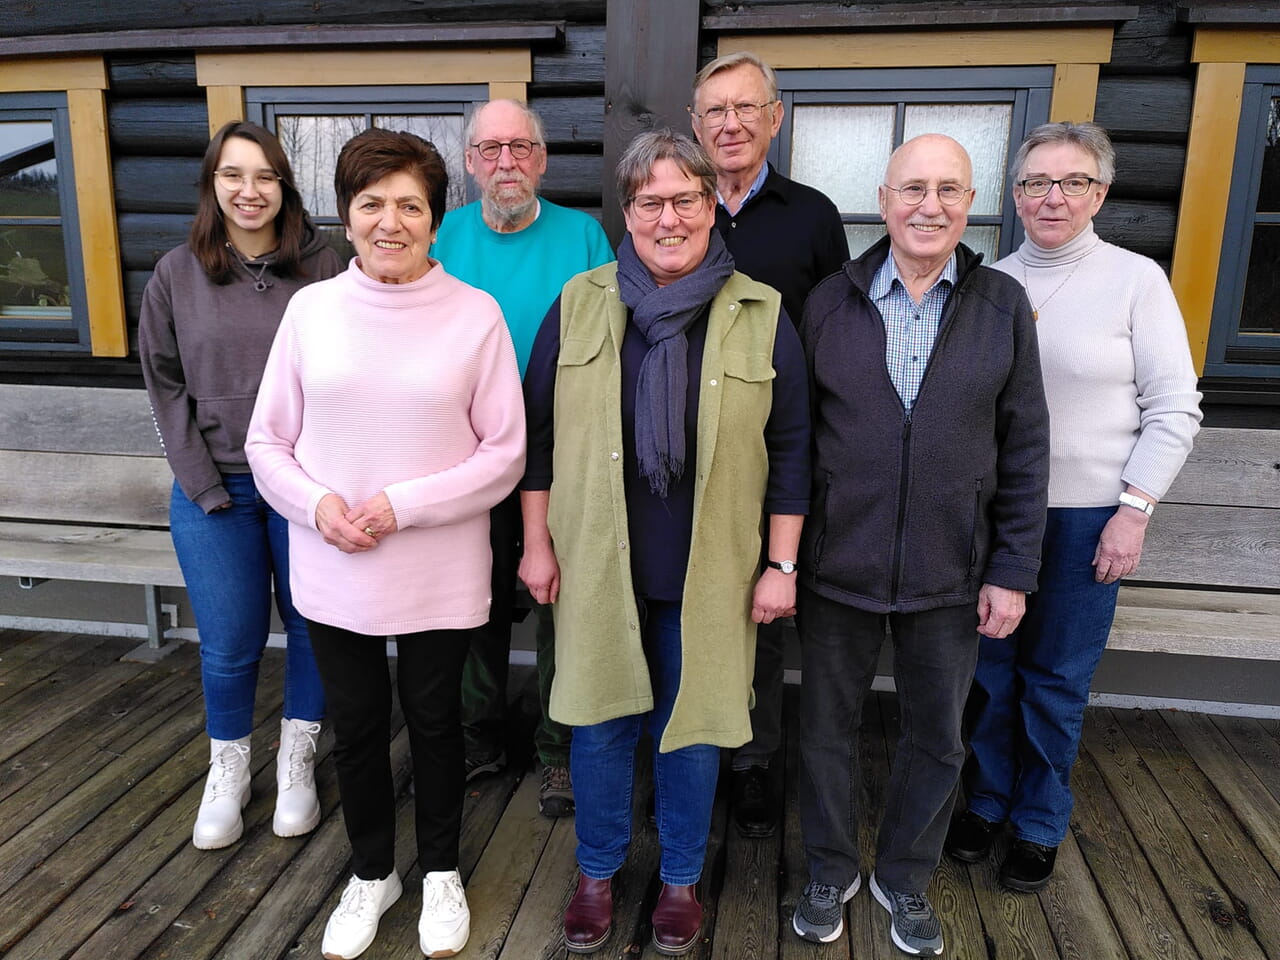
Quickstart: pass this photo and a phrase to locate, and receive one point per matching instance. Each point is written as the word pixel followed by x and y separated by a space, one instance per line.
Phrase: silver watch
pixel 786 566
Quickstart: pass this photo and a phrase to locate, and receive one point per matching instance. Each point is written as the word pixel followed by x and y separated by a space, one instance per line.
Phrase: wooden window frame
pixel 83 80
pixel 1221 56
pixel 506 71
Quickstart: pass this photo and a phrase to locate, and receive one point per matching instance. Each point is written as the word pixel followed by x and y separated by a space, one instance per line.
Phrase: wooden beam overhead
pixel 318 35
pixel 1213 45
pixel 338 67
pixel 869 16
pixel 1229 14
pixel 62 73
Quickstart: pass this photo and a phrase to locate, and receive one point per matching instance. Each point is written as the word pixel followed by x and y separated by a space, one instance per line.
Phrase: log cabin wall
pixel 158 123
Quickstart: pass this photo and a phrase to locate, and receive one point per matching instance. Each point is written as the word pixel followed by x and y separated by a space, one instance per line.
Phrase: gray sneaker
pixel 915 928
pixel 819 916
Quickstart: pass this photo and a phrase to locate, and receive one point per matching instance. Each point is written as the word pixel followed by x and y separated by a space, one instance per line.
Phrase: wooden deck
pixel 1174 852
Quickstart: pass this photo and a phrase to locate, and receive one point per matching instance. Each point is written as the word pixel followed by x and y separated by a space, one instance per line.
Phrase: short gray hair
pixel 738 59
pixel 535 121
pixel 1089 137
pixel 635 168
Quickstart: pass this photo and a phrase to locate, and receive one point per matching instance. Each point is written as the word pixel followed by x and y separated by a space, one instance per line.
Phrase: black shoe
pixel 1028 866
pixel 754 809
pixel 970 837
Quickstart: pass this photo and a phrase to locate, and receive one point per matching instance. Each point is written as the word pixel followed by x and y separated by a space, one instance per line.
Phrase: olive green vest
pixel 601 672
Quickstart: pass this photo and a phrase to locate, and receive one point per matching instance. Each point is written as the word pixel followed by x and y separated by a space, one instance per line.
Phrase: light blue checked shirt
pixel 909 328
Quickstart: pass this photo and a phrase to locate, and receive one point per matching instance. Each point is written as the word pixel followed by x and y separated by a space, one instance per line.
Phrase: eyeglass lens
pixel 492 149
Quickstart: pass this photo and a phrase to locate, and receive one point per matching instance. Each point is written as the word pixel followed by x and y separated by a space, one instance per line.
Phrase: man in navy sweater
pixel 789 236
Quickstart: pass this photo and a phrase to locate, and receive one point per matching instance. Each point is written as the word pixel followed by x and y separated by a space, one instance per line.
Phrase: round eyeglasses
pixel 913 194
pixel 520 148
pixel 233 179
pixel 1070 186
pixel 719 115
pixel 648 207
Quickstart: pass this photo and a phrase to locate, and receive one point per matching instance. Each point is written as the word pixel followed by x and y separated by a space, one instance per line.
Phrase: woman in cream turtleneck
pixel 1123 409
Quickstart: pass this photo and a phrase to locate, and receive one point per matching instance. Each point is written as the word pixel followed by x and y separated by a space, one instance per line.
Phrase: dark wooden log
pixel 651 57
pixel 135 281
pixel 170 127
pixel 146 237
pixel 735 16
pixel 1231 14
pixel 172 74
pixel 83 16
pixel 1143 226
pixel 1153 109
pixel 1148 171
pixel 1152 43
pixel 573 179
pixel 577 121
pixel 156 184
pixel 580 60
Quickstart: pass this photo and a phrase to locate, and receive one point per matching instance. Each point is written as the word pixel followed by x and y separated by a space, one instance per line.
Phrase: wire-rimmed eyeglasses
pixel 520 148
pixel 649 207
pixel 913 194
pixel 233 179
pixel 717 116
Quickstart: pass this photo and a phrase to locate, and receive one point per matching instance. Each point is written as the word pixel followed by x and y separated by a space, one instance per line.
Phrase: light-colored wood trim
pixel 1214 45
pixel 945 48
pixel 1206 186
pixel 1075 92
pixel 99 243
pixel 55 73
pixel 226 103
pixel 509 91
pixel 364 67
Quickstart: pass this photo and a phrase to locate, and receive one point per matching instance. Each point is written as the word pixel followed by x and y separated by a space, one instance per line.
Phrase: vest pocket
pixel 749 367
pixel 577 351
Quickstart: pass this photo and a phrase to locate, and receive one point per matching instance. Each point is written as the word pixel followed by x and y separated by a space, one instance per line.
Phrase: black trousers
pixel 357 686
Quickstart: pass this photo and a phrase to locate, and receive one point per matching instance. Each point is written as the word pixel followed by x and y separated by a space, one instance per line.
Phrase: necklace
pixel 1026 285
pixel 260 283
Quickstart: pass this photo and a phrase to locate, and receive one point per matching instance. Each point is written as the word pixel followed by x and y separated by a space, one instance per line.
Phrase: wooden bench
pixel 84 492
pixel 1209 580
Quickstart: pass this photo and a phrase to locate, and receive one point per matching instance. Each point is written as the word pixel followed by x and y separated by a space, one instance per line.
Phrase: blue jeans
pixel 1031 688
pixel 229 559
pixel 602 758
pixel 933 657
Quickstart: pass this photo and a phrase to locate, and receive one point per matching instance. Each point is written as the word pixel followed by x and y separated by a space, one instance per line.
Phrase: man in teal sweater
pixel 521 249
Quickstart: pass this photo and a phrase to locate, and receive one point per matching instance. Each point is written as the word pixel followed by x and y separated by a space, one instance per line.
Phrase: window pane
pixel 1260 312
pixel 1269 189
pixel 983 130
pixel 336 237
pixel 28 170
pixel 861 236
pixel 983 240
pixel 312 145
pixel 33 273
pixel 825 142
pixel 445 131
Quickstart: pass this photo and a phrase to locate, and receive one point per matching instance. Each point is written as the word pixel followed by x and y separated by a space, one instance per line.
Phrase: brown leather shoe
pixel 588 919
pixel 677 920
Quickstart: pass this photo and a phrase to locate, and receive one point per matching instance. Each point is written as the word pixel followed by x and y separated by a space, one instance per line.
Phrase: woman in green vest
pixel 668 427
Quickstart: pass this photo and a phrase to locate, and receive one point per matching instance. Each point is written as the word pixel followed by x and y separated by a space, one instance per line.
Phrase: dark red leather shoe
pixel 588 919
pixel 677 920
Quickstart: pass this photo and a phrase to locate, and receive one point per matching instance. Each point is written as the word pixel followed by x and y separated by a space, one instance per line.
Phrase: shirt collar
pixel 882 283
pixel 756 185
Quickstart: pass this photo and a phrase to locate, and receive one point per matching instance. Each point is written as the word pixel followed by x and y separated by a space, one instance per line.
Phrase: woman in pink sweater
pixel 389 422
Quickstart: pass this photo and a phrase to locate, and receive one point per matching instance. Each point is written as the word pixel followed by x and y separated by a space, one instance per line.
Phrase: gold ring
pixel 369 532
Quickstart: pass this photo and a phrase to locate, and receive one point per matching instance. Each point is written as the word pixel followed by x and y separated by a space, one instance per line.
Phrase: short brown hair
pixel 635 168
pixel 208 238
pixel 376 154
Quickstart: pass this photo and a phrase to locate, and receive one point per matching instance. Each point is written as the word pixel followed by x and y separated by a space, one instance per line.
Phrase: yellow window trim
pixel 1221 55
pixel 83 79
pixel 506 70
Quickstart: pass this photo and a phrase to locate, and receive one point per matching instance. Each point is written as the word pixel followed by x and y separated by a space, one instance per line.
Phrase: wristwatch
pixel 1129 500
pixel 786 566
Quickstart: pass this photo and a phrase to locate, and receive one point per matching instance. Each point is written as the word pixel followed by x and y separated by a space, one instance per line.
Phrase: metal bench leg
pixel 155 647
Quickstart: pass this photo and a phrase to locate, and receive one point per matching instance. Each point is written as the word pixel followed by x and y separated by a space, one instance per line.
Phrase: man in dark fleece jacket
pixel 931 460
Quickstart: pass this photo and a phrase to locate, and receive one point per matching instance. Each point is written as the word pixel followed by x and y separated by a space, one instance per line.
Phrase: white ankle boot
pixel 226 793
pixel 297 807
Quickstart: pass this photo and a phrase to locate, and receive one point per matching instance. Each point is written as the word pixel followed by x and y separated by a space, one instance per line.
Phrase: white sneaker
pixel 446 919
pixel 226 793
pixel 297 806
pixel 354 921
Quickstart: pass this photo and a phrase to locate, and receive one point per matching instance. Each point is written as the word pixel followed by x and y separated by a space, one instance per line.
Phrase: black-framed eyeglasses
pixel 521 149
pixel 649 207
pixel 719 115
pixel 913 194
pixel 1070 186
pixel 234 179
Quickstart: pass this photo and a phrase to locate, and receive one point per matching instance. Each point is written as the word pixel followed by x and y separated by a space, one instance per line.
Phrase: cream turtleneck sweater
pixel 1123 405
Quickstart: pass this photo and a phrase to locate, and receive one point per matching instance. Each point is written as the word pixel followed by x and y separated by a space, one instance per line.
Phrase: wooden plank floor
pixel 1174 849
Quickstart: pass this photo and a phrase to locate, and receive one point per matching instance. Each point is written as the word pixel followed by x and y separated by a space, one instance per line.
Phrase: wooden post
pixel 651 55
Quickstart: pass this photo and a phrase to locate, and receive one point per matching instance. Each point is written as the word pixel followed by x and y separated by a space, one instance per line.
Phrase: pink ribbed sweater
pixel 411 389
